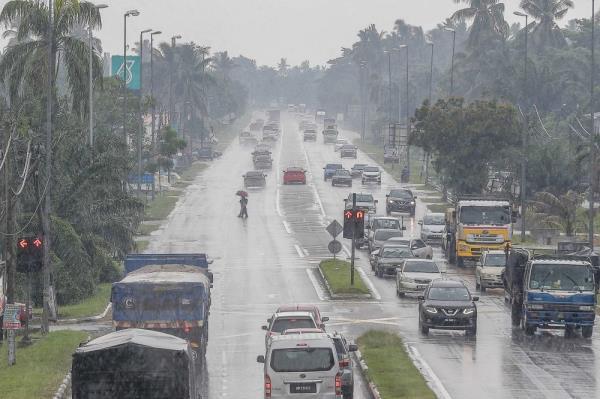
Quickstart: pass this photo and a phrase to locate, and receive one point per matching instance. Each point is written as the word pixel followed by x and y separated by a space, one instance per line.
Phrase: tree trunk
pixel 9 240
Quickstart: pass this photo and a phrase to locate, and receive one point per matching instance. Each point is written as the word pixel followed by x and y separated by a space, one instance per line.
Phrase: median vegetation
pixel 337 274
pixel 390 368
pixel 41 367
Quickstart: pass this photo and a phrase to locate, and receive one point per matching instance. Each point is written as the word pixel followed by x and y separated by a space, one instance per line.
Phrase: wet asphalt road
pixel 270 259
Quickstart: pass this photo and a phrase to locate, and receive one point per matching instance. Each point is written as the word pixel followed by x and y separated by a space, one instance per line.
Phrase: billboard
pixel 131 74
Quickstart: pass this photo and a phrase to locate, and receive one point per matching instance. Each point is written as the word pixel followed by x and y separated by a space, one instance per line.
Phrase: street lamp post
pixel 452 67
pixel 430 105
pixel 405 46
pixel 171 111
pixel 91 79
pixel 153 104
pixel 362 68
pixel 141 135
pixel 592 135
pixel 523 187
pixel 130 13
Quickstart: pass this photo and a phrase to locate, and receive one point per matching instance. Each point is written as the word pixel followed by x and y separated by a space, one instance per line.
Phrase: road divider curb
pixel 334 296
pixel 362 365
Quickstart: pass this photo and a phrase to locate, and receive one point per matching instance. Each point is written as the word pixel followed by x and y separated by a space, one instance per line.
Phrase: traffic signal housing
pixel 354 223
pixel 30 254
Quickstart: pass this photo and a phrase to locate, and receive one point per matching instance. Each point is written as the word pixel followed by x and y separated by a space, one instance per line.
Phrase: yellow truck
pixel 474 225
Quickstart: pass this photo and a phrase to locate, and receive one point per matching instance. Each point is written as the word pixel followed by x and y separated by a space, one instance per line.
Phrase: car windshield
pixel 495 260
pixel 302 359
pixel 333 166
pixel 340 348
pixel 382 235
pixel 449 294
pixel 561 277
pixel 396 252
pixel 359 166
pixel 342 172
pixel 363 198
pixel 371 169
pixel 493 215
pixel 285 323
pixel 421 267
pixel 386 224
pixel 402 194
pixel 347 147
pixel 434 220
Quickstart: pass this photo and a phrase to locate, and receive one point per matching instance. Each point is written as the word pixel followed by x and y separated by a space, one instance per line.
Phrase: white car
pixel 488 272
pixel 282 321
pixel 415 274
pixel 302 366
pixel 418 247
pixel 432 227
pixel 339 143
pixel 371 174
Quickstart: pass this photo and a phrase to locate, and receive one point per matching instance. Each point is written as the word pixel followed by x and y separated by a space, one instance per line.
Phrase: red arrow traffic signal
pixel 23 243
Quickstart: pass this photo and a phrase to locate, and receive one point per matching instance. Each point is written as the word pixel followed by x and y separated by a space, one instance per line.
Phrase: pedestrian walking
pixel 243 208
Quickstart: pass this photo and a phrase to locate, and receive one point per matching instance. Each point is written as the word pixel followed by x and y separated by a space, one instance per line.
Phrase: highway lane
pixel 256 262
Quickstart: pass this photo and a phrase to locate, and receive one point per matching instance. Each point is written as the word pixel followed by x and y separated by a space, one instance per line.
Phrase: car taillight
pixel 187 329
pixel 338 384
pixel 268 386
pixel 345 363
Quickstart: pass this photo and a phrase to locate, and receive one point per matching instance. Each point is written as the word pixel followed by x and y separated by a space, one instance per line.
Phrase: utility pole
pixel 141 135
pixel 407 119
pixel 129 13
pixel 592 135
pixel 153 100
pixel 525 134
pixel 91 78
pixel 171 110
pixel 452 67
pixel 353 239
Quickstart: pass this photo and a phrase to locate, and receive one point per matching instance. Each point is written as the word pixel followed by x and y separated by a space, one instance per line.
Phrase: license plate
pixel 449 320
pixel 421 287
pixel 303 388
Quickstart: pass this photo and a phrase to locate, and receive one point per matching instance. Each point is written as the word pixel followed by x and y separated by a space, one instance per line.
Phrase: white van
pixel 302 366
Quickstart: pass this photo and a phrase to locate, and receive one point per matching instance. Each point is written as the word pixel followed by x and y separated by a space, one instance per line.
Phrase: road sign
pixel 11 317
pixel 334 246
pixel 131 74
pixel 334 228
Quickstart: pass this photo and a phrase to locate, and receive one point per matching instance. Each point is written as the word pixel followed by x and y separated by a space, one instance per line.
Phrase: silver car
pixel 382 235
pixel 432 227
pixel 371 174
pixel 417 246
pixel 415 274
pixel 488 272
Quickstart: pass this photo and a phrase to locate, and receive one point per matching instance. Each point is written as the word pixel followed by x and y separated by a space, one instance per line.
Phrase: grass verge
pixel 41 367
pixel 142 245
pixel 161 206
pixel 91 306
pixel 390 367
pixel 337 274
pixel 190 173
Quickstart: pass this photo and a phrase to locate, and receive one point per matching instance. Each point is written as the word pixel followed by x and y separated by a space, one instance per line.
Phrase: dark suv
pixel 447 305
pixel 400 200
pixel 343 349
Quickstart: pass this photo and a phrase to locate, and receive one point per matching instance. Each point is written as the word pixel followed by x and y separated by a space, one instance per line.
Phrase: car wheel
pixel 401 294
pixel 424 330
pixel 477 285
pixel 586 331
pixel 388 212
pixel 460 262
pixel 472 331
pixel 482 287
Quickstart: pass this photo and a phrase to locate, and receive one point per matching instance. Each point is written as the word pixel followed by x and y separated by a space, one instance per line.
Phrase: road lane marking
pixel 346 250
pixel 277 204
pixel 286 225
pixel 316 285
pixel 369 283
pixel 299 250
pixel 437 387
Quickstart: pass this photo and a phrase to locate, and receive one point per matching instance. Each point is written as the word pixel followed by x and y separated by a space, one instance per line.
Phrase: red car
pixel 314 310
pixel 294 175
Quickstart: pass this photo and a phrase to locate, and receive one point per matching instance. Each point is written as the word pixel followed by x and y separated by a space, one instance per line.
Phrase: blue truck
pixel 551 291
pixel 169 293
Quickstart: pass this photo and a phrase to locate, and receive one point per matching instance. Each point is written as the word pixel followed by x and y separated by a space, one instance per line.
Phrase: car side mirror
pixel 421 297
pixel 415 197
pixel 264 328
pixel 324 319
pixel 352 347
pixel 260 359
pixel 269 320
pixel 403 228
pixel 475 298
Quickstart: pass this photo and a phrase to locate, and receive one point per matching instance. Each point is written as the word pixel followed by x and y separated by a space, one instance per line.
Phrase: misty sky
pixel 267 30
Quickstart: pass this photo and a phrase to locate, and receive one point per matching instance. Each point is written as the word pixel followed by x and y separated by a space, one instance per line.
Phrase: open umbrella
pixel 242 193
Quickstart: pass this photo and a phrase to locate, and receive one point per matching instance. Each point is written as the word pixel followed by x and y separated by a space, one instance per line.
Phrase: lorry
pixel 319 115
pixel 329 123
pixel 551 291
pixel 274 115
pixel 475 224
pixel 134 363
pixel 168 293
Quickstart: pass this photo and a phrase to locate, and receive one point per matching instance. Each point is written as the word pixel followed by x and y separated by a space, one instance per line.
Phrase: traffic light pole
pixel 26 339
pixel 353 238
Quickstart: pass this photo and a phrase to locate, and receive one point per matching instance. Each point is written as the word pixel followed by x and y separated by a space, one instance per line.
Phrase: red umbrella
pixel 242 193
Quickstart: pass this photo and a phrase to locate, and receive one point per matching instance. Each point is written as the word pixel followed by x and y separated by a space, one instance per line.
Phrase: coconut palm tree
pixel 223 64
pixel 488 21
pixel 26 56
pixel 545 31
pixel 191 77
pixel 557 210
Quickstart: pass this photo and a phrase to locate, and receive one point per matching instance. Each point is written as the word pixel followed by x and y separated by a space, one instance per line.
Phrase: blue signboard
pixel 131 74
pixel 147 178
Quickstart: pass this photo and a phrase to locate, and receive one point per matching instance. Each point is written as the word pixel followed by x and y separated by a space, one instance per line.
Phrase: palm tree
pixel 488 21
pixel 557 210
pixel 282 67
pixel 223 64
pixel 26 56
pixel 545 30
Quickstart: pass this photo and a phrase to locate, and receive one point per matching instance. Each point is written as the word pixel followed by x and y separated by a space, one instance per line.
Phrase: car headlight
pixel 431 310
pixel 535 306
pixel 586 308
pixel 412 202
pixel 468 310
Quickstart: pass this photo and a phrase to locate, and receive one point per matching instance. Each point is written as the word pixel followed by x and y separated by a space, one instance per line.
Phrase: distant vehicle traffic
pixel 254 179
pixel 380 236
pixel 247 138
pixel 293 175
pixel 330 136
pixel 432 227
pixel 447 305
pixel 312 309
pixel 414 275
pixel 310 135
pixel 388 258
pixel 339 143
pixel 489 269
pixel 416 244
pixel 343 349
pixel 357 169
pixel 263 161
pixel 364 201
pixel 400 200
pixel 348 151
pixel 341 177
pixel 371 174
pixel 330 169
pixel 282 321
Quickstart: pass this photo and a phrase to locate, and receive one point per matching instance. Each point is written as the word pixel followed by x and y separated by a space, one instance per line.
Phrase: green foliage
pixel 337 273
pixel 467 140
pixel 557 211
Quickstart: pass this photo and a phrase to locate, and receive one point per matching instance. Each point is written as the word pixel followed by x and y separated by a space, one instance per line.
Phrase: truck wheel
pixel 530 330
pixel 460 262
pixel 515 315
pixel 586 331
